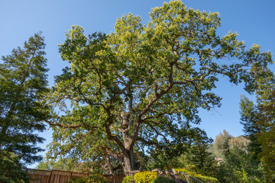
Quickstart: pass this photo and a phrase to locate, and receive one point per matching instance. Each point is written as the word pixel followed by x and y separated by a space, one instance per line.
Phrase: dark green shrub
pixel 198 176
pixel 163 180
pixel 95 178
pixel 79 180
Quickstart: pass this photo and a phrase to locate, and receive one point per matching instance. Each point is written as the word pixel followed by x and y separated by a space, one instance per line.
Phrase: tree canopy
pixel 23 87
pixel 141 86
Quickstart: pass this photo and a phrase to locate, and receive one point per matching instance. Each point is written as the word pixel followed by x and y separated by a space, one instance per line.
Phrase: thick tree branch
pixel 114 138
pixel 62 125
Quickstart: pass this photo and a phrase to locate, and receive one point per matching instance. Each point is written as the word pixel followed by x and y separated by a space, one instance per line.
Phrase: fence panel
pixel 58 176
pixel 52 176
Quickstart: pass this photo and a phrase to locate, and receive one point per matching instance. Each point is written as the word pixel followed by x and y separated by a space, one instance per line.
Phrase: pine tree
pixel 23 85
pixel 258 120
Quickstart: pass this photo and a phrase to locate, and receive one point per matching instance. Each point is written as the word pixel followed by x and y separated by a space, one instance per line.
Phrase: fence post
pixel 50 176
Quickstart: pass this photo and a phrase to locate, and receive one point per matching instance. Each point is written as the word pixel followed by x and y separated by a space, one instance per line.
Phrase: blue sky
pixel 253 20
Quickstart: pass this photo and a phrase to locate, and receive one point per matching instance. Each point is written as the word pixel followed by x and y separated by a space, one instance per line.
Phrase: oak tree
pixel 142 85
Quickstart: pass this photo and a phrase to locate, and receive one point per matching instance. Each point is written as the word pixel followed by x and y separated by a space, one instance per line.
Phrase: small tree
pixel 221 144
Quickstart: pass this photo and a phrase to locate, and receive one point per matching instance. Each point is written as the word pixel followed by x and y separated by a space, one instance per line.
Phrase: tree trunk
pixel 109 166
pixel 129 161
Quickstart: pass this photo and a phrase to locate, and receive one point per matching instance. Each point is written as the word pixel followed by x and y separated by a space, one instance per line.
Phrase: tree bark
pixel 109 165
pixel 129 161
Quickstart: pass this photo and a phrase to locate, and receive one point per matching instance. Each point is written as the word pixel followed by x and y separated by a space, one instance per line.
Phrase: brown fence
pixel 52 176
pixel 58 176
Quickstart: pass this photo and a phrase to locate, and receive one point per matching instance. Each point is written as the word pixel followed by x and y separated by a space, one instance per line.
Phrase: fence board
pixel 59 176
pixel 52 176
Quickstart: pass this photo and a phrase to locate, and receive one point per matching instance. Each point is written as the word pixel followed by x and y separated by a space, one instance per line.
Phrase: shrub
pixel 128 179
pixel 198 176
pixel 95 178
pixel 145 177
pixel 163 180
pixel 206 179
pixel 79 180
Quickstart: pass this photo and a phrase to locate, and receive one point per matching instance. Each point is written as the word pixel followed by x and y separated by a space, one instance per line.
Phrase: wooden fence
pixel 58 176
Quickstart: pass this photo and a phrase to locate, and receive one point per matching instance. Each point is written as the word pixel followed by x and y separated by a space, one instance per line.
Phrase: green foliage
pixel 23 86
pixel 197 176
pixel 11 169
pixel 94 178
pixel 145 177
pixel 194 153
pixel 128 179
pixel 249 113
pixel 66 164
pixel 242 176
pixel 267 138
pixel 198 156
pixel 97 178
pixel 221 145
pixel 238 164
pixel 163 180
pixel 259 120
pixel 161 160
pixel 232 173
pixel 142 85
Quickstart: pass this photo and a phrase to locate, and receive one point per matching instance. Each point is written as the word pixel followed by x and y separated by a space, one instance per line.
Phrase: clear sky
pixel 254 21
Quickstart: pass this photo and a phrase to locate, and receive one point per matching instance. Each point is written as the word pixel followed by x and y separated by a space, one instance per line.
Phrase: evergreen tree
pixel 267 137
pixel 258 120
pixel 238 164
pixel 221 145
pixel 23 85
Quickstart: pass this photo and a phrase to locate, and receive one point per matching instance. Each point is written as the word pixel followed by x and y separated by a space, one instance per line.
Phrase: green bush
pixel 95 178
pixel 10 166
pixel 198 176
pixel 145 177
pixel 128 179
pixel 163 180
pixel 206 179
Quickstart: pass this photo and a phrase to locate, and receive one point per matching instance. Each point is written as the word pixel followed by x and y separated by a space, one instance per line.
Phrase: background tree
pixel 143 84
pixel 11 168
pixel 68 164
pixel 221 144
pixel 191 154
pixel 23 85
pixel 267 137
pixel 258 119
pixel 199 157
pixel 238 164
